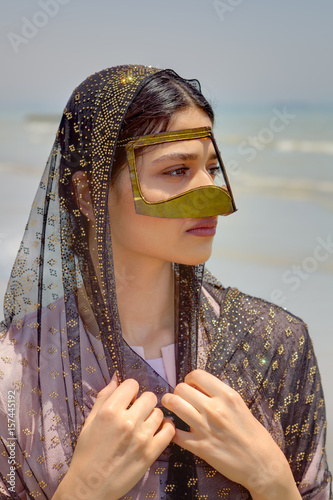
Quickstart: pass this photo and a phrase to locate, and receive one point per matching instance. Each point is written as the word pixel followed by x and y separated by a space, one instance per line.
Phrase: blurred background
pixel 267 69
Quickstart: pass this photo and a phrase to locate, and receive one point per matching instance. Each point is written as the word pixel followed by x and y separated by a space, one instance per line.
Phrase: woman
pixel 109 275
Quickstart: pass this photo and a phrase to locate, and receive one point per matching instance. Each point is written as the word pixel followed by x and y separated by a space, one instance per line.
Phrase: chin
pixel 195 260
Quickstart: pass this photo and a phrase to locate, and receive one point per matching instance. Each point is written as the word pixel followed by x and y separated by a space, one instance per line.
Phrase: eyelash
pixel 213 170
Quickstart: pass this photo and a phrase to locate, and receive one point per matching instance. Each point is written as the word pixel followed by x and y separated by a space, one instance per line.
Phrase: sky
pixel 242 51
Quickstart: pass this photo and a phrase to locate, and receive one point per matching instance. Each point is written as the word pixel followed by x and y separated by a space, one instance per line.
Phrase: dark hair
pixel 153 108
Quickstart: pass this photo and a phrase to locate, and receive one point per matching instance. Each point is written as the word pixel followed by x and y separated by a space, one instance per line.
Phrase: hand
pixel 117 444
pixel 225 434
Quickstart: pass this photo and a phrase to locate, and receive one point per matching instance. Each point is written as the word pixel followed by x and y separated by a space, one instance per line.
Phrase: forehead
pixel 188 118
pixel 190 149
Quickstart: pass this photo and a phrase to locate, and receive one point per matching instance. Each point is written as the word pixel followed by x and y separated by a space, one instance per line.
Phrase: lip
pixel 204 227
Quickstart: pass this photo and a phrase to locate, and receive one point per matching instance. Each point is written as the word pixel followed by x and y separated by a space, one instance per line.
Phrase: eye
pixel 213 170
pixel 177 172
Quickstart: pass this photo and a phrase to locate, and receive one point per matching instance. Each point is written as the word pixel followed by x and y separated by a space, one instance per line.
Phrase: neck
pixel 145 296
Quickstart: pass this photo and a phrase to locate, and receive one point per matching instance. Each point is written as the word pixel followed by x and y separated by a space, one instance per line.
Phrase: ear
pixel 82 194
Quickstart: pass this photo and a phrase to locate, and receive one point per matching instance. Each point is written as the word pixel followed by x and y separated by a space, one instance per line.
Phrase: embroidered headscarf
pixel 63 318
pixel 62 342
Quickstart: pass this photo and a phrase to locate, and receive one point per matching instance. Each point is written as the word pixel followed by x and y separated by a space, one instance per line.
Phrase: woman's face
pixel 164 171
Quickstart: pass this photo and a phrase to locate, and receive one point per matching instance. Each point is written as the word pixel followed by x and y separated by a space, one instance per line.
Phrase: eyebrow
pixel 181 157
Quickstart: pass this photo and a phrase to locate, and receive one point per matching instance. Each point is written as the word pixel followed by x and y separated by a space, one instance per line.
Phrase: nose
pixel 202 178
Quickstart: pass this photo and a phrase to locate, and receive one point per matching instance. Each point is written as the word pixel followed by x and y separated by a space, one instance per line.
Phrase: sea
pixel 279 243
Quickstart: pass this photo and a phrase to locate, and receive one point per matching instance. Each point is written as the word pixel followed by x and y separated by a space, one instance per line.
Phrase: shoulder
pixel 252 318
pixel 258 346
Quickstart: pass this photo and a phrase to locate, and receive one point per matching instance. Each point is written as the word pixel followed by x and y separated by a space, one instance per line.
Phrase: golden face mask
pixel 159 193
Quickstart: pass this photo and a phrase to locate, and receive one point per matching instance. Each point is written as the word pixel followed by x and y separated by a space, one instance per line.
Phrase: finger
pixel 163 437
pixel 124 395
pixel 102 396
pixel 207 383
pixel 154 420
pixel 192 395
pixel 186 440
pixel 183 409
pixel 143 406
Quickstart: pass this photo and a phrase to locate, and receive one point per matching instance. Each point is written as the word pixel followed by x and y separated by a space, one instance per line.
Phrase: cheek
pixel 152 236
pixel 135 231
pixel 165 239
